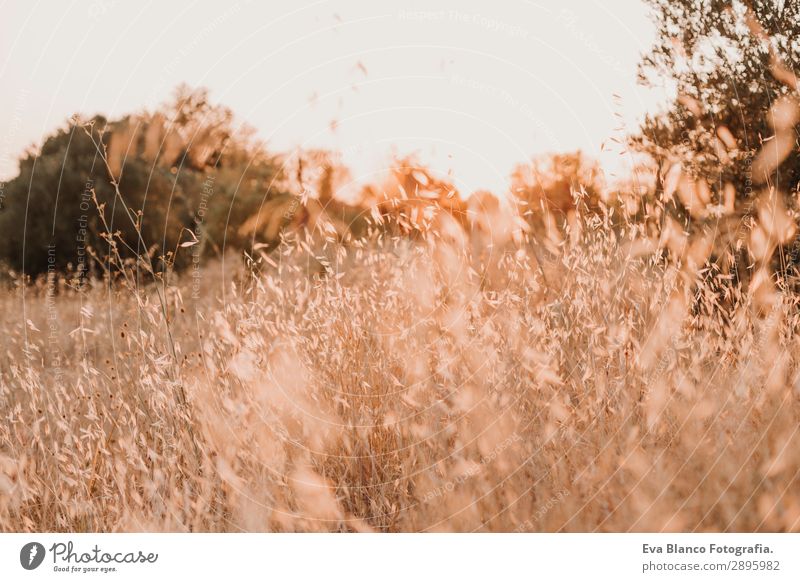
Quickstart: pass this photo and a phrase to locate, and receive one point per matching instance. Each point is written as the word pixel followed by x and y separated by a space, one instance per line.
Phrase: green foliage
pixel 728 65
pixel 184 170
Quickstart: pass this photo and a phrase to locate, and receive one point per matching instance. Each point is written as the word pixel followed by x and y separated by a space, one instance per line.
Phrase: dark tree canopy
pixel 731 66
pixel 183 168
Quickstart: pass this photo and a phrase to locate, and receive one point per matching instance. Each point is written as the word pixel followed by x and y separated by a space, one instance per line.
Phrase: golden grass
pixel 406 386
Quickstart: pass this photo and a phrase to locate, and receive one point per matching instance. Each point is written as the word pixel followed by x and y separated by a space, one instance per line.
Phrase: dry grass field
pixel 442 382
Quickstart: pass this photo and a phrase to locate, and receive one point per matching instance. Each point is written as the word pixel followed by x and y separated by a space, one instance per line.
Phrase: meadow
pixel 601 375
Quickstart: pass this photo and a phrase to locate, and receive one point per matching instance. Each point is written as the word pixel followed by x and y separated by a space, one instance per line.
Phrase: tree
pixel 730 64
pixel 729 169
pixel 184 167
pixel 549 184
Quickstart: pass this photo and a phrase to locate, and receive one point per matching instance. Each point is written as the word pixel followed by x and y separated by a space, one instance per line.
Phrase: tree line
pixel 724 154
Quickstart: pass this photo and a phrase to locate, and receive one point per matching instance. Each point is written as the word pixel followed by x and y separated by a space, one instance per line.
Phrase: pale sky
pixel 471 87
